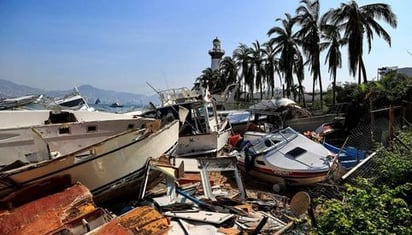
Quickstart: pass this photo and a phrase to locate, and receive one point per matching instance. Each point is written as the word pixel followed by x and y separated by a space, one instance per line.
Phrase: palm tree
pixel 211 79
pixel 299 70
pixel 332 42
pixel 309 38
pixel 359 22
pixel 242 58
pixel 284 43
pixel 228 70
pixel 271 66
pixel 257 55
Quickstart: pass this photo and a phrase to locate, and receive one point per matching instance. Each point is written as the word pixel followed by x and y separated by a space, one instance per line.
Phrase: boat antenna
pixel 158 92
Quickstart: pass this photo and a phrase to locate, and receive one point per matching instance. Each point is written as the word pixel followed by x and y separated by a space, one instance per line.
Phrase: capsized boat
pixel 284 157
pixel 202 131
pixel 102 167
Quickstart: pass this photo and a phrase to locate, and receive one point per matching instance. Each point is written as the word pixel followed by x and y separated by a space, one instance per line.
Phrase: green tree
pixel 257 54
pixel 359 22
pixel 308 18
pixel 332 42
pixel 243 59
pixel 271 67
pixel 211 79
pixel 228 71
pixel 299 70
pixel 284 43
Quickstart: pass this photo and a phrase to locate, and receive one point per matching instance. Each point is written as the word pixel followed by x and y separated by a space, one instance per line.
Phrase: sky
pixel 123 45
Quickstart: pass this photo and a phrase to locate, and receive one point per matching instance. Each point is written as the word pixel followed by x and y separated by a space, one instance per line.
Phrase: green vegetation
pixel 298 42
pixel 377 205
pixel 392 89
pixel 367 209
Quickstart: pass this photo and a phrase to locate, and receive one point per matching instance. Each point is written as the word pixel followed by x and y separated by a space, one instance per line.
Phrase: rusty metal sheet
pixel 48 213
pixel 140 221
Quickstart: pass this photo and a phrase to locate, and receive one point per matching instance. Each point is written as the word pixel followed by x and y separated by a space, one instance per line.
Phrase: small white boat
pixel 73 101
pixel 116 105
pixel 202 131
pixel 285 157
pixel 102 167
pixel 18 102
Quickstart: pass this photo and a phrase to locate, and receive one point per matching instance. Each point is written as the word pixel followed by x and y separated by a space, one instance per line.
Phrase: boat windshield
pixel 273 140
pixel 288 133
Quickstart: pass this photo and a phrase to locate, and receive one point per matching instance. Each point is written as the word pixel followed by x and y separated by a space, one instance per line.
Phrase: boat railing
pixel 177 95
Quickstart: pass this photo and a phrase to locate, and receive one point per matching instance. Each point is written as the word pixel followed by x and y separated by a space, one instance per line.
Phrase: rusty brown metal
pixel 141 220
pixel 48 213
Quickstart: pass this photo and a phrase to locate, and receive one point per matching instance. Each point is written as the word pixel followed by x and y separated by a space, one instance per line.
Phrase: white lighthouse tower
pixel 216 53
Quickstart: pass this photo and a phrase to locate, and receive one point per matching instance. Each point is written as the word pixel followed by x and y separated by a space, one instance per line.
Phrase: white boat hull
pixel 99 166
pixel 286 177
pixel 32 118
pixel 286 157
pixel 19 143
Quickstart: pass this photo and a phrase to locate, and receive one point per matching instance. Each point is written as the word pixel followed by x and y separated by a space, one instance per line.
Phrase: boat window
pixel 60 117
pixel 130 126
pixel 260 146
pixel 210 110
pixel 64 130
pixel 288 133
pixel 296 152
pixel 201 111
pixel 260 162
pixel 267 142
pixel 91 128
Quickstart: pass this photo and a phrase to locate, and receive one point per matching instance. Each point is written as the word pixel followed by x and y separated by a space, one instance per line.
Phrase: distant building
pixel 407 71
pixel 216 53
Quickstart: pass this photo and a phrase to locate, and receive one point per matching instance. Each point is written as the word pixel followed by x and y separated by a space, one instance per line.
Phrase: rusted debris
pixel 139 221
pixel 48 213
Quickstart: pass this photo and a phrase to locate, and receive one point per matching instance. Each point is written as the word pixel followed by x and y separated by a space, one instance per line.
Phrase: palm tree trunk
pixel 313 91
pixel 321 91
pixel 362 67
pixel 334 88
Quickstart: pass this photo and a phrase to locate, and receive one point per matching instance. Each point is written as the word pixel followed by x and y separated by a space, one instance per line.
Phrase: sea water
pixel 123 109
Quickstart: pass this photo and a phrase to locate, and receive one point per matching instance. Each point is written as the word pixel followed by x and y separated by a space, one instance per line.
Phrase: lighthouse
pixel 216 53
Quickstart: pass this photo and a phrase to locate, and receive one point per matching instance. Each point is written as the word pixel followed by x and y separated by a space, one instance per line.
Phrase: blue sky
pixel 121 45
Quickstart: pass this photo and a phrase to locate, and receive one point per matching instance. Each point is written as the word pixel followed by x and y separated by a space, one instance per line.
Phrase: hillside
pixel 10 89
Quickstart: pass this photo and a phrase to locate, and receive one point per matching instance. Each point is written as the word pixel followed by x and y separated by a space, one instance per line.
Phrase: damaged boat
pixel 103 167
pixel 279 112
pixel 284 157
pixel 64 131
pixel 201 130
